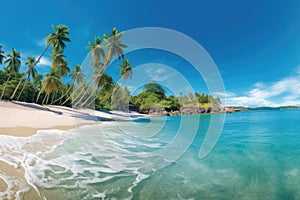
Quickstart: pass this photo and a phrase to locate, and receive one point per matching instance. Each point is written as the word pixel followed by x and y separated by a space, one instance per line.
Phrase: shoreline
pixel 30 131
pixel 19 125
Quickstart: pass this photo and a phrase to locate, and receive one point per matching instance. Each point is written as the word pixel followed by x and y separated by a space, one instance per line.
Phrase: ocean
pixel 257 156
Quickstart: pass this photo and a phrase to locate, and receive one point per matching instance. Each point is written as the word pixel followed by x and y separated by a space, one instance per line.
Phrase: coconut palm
pixel 31 72
pixel 13 64
pixel 77 77
pixel 103 81
pixel 37 82
pixel 59 64
pixel 125 70
pixel 57 58
pixel 114 45
pixel 97 49
pixel 51 84
pixel 2 56
pixel 57 39
pixel 77 74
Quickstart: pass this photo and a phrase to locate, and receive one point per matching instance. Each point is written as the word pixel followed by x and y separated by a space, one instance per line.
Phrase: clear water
pixel 256 157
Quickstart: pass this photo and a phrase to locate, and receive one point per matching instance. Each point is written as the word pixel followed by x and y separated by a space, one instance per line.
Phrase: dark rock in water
pixel 193 110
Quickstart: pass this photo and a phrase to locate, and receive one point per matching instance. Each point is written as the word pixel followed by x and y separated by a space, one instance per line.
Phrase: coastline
pixel 21 122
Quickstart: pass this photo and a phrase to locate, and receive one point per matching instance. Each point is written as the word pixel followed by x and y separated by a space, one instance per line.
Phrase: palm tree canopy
pixel 114 44
pixel 126 70
pixel 62 69
pixel 59 63
pixel 2 56
pixel 97 49
pixel 51 83
pixel 13 61
pixel 103 80
pixel 31 70
pixel 58 58
pixel 59 37
pixel 77 74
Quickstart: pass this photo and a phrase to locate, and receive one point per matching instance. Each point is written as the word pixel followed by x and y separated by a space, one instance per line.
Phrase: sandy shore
pixel 24 119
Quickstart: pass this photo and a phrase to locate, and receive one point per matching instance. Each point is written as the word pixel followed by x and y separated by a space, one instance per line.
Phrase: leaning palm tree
pixel 31 72
pixel 97 50
pixel 77 77
pixel 114 46
pixel 57 40
pixel 59 64
pixel 103 81
pixel 51 84
pixel 57 58
pixel 125 70
pixel 2 56
pixel 13 64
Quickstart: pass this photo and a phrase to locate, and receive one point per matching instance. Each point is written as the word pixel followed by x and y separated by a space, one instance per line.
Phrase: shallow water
pixel 256 157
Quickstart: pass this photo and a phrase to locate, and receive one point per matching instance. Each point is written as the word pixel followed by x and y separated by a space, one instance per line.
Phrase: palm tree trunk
pixel 39 58
pixel 38 96
pixel 47 99
pixel 80 93
pixel 64 94
pixel 77 103
pixel 85 103
pixel 21 90
pixel 52 99
pixel 5 86
pixel 44 99
pixel 82 90
pixel 17 87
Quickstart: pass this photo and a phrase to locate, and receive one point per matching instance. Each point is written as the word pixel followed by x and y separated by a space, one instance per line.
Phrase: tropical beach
pixel 150 100
pixel 20 119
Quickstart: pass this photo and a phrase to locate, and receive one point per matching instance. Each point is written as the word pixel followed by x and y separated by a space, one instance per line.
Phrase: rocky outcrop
pixel 194 110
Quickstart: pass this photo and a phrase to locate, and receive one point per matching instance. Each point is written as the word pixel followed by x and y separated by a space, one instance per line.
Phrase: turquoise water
pixel 256 157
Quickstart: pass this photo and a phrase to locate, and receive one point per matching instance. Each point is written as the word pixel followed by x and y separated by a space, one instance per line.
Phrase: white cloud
pixel 223 94
pixel 45 61
pixel 158 74
pixel 41 42
pixel 281 93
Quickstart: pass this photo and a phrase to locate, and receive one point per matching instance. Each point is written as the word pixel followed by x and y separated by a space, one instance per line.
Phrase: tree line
pixel 31 86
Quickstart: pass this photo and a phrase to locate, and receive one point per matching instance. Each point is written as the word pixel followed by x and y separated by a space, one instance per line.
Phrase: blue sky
pixel 255 44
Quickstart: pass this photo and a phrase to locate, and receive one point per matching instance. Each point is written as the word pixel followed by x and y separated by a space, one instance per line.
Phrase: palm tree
pixel 57 39
pixel 114 45
pixel 2 56
pixel 97 49
pixel 77 74
pixel 59 64
pixel 13 64
pixel 125 70
pixel 31 72
pixel 77 77
pixel 51 84
pixel 37 82
pixel 104 81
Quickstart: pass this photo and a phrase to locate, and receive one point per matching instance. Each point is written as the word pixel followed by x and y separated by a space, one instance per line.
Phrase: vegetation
pixel 30 86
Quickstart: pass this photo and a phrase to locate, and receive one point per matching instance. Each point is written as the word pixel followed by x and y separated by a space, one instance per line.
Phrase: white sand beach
pixel 20 119
pixel 24 119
